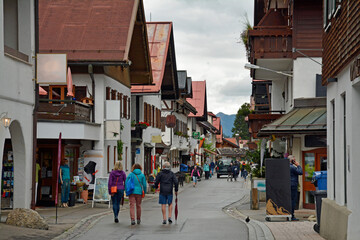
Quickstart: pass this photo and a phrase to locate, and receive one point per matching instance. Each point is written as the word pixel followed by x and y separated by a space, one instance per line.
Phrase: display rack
pixel 7 184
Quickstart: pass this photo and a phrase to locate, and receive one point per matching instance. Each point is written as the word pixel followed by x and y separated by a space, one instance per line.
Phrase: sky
pixel 208 46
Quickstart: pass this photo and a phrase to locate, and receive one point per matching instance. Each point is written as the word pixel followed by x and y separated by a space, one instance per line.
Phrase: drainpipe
pixel 91 73
pixel 36 33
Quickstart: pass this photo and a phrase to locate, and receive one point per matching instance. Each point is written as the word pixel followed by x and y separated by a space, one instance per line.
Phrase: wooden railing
pixel 270 42
pixel 64 110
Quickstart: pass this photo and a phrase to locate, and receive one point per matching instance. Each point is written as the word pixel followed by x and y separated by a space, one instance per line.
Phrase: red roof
pixel 198 99
pixel 94 30
pixel 159 38
pixel 232 140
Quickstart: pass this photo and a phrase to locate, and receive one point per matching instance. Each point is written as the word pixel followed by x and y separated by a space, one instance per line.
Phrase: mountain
pixel 227 122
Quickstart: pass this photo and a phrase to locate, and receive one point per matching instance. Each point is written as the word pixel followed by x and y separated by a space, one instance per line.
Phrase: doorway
pixel 314 160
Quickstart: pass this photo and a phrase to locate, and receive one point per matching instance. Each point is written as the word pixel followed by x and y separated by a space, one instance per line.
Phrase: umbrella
pixel 176 208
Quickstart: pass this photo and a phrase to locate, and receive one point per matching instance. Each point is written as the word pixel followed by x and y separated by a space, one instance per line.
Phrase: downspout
pixel 36 33
pixel 91 73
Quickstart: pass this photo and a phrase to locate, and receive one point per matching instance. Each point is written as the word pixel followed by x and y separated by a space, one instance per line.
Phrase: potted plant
pixel 133 125
pixel 178 133
pixel 84 192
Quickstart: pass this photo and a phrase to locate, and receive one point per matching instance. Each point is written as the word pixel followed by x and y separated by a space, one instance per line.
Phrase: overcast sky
pixel 207 45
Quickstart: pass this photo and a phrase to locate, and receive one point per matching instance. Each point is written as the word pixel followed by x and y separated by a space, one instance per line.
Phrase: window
pixel 17 38
pixel 333 145
pixel 11 38
pixel 344 147
pixel 331 9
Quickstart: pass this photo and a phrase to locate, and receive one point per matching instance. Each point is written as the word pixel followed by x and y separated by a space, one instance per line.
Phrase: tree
pixel 240 125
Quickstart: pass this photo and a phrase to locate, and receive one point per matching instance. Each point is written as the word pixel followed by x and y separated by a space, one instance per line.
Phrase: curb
pixel 257 229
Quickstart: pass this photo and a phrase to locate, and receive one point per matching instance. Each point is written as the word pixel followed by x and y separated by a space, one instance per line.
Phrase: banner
pixel 57 170
pixel 278 191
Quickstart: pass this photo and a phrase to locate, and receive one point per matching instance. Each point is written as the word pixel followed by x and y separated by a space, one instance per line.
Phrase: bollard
pixel 255 199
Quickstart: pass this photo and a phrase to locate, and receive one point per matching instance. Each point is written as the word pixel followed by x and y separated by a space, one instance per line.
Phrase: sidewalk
pixel 279 228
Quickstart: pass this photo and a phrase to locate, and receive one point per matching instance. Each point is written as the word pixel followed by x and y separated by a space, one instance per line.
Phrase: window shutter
pixel 108 89
pixel 145 112
pixel 163 121
pixel 121 108
pixel 129 111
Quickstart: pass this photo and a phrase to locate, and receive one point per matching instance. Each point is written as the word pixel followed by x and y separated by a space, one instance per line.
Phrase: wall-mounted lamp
pixel 5 120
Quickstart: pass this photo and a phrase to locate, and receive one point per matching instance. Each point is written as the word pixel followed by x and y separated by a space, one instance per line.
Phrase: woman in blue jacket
pixel 139 180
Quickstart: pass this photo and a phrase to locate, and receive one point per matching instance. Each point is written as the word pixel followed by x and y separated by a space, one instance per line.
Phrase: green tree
pixel 240 125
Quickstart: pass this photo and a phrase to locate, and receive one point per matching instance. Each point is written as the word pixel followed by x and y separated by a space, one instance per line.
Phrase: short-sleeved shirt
pixel 65 172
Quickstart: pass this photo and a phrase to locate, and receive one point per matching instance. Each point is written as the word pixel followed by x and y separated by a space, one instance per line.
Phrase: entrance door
pixel 315 160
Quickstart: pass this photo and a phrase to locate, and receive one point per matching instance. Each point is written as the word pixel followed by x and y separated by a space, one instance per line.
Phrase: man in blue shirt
pixel 295 171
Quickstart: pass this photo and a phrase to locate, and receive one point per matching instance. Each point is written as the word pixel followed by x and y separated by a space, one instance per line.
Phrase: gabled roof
pixel 199 99
pixel 231 141
pixel 97 30
pixel 162 54
pixel 217 122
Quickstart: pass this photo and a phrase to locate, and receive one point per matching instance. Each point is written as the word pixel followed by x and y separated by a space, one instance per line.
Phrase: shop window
pixel 7 184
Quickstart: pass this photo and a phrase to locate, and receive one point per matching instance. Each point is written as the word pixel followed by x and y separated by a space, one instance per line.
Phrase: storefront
pixel 47 159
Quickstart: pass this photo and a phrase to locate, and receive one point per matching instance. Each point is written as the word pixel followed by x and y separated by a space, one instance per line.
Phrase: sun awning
pixel 306 120
pixel 209 151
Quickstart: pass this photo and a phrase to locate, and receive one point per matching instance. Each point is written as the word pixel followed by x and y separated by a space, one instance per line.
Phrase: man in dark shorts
pixel 167 180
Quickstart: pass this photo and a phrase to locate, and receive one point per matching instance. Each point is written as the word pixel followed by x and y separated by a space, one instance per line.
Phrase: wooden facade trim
pixel 341 42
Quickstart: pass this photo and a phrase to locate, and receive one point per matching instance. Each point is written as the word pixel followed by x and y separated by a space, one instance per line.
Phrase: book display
pixel 7 184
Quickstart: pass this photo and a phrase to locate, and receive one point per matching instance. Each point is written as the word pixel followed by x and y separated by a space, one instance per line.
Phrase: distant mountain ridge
pixel 227 122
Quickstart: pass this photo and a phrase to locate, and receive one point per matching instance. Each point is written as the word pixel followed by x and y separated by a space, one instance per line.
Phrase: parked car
pixel 222 165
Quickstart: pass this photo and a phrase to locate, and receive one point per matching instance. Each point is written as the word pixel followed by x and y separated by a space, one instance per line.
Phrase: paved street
pixel 201 216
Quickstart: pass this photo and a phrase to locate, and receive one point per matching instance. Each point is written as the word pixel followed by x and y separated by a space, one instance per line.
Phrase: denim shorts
pixel 194 179
pixel 165 199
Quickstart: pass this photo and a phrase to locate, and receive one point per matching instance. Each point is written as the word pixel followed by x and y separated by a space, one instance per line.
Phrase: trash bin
pixel 319 195
pixel 319 179
pixel 72 197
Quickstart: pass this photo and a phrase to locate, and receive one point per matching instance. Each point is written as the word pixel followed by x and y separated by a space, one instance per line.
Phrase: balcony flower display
pixel 143 125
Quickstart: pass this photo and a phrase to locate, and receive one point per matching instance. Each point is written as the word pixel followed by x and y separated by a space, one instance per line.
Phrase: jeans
pixel 135 199
pixel 116 200
pixel 294 192
pixel 65 191
pixel 230 176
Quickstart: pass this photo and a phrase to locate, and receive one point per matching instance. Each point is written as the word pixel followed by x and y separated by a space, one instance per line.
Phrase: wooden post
pixel 255 199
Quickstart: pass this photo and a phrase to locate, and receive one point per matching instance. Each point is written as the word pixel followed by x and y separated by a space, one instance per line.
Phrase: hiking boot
pixel 132 222
pixel 164 221
pixel 138 221
pixel 170 221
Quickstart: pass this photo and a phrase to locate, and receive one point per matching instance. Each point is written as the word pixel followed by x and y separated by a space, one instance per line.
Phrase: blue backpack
pixel 129 185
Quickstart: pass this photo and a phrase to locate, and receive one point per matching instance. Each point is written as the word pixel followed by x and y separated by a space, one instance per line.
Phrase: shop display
pixel 7 185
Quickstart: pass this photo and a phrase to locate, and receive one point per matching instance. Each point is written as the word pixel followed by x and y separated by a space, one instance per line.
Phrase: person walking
pixel 230 172
pixel 116 186
pixel 212 167
pixel 207 170
pixel 235 171
pixel 295 171
pixel 167 180
pixel 195 174
pixel 65 182
pixel 135 198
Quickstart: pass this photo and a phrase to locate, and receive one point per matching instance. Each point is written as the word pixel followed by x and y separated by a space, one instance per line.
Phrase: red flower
pixel 144 123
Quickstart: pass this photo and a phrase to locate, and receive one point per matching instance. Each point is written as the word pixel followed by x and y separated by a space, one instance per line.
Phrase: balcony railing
pixel 64 110
pixel 270 42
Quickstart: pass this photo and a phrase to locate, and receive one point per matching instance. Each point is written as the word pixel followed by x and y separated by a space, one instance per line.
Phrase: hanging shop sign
pixel 170 121
pixel 196 135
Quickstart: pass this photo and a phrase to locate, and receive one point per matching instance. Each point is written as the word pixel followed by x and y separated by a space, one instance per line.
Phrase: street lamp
pixel 252 66
pixel 237 138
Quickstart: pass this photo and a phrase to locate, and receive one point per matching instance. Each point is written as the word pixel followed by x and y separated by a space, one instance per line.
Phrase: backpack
pixel 129 185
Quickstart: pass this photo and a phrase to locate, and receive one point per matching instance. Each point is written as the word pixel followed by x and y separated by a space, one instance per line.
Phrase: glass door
pixel 315 160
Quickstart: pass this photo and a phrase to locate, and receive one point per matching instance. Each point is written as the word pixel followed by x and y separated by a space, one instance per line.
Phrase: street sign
pixel 196 135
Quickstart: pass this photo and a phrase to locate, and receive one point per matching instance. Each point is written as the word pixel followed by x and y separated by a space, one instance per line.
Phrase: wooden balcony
pixel 64 110
pixel 258 120
pixel 270 42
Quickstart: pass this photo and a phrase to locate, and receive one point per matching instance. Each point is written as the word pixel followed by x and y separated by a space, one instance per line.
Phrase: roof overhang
pixel 208 127
pixel 209 151
pixel 301 120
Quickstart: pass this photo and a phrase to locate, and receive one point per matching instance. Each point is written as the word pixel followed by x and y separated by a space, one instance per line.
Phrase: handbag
pixel 143 193
pixel 129 185
pixel 113 189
